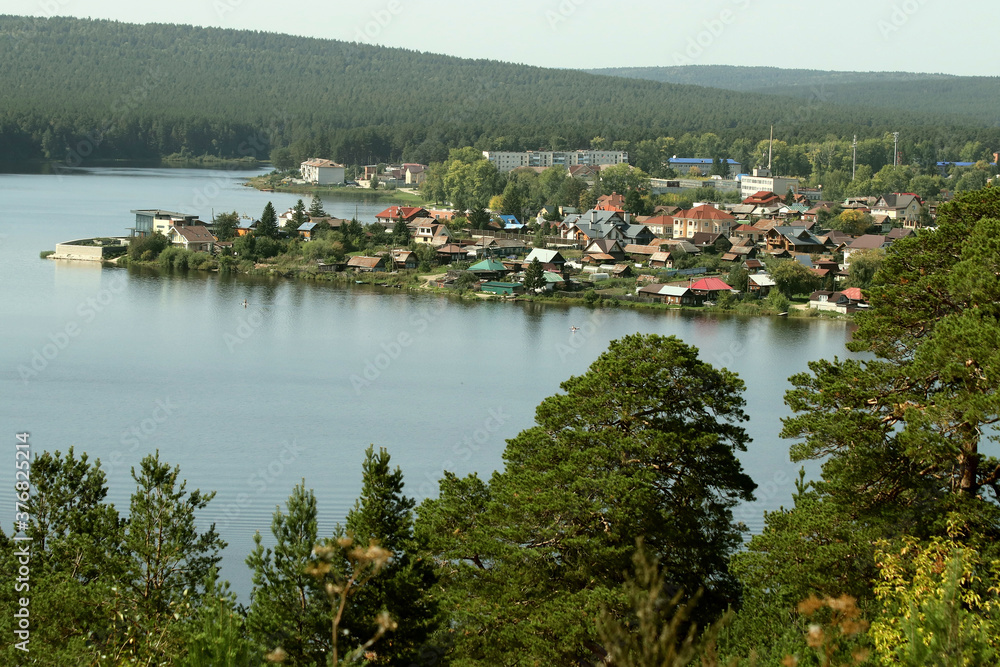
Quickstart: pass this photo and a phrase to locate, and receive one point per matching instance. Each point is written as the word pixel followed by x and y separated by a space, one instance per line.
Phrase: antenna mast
pixel 895 149
pixel 770 146
pixel 854 164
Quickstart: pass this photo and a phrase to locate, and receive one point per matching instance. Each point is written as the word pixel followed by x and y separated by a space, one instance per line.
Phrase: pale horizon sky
pixel 863 35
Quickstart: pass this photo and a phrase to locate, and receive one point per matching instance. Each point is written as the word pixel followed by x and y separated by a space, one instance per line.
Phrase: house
pixel 307 229
pixel 553 281
pixel 550 260
pixel 866 242
pixel 595 224
pixel 673 295
pixel 149 221
pixel 451 252
pixel 435 234
pixel 322 172
pixel 661 225
pixel 505 289
pixel 904 207
pixel 414 174
pixel 760 284
pixel 196 238
pixel 489 269
pixel 710 240
pixel 793 240
pixel 510 222
pixel 740 253
pixel 748 233
pixel 710 287
pixel 362 264
pixel 605 249
pixel 493 247
pixel 641 253
pixel 753 265
pixel 846 301
pixel 611 202
pixel 764 198
pixel 702 218
pixel 245 226
pixel 639 234
pixel 661 260
pixel 404 259
pixel 390 215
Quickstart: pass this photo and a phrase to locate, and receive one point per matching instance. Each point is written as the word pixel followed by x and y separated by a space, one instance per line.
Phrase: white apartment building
pixel 322 172
pixel 510 160
pixel 761 180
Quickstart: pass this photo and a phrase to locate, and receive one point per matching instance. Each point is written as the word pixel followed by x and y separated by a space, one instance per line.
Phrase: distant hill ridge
pixel 974 98
pixel 125 91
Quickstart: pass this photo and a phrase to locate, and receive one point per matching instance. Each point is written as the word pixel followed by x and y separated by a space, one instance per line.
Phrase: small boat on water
pixel 574 329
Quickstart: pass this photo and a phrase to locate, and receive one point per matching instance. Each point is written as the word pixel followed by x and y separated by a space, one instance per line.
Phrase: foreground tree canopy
pixel 642 445
pixel 901 437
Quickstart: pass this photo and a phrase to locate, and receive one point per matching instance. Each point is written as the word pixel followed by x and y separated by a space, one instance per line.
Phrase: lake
pixel 249 401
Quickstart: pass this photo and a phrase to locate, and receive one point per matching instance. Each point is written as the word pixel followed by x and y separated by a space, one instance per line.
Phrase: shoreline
pixel 403 281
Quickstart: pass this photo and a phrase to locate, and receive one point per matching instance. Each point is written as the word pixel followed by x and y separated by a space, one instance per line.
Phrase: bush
pixel 777 302
pixel 45 253
pixel 153 244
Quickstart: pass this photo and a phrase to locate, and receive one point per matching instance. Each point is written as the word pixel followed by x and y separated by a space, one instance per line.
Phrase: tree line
pixel 81 90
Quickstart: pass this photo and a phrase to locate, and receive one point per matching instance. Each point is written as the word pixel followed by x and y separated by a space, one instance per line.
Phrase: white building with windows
pixel 322 172
pixel 510 160
pixel 762 181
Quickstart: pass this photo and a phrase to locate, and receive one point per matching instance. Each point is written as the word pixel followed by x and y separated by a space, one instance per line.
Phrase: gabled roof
pixel 704 212
pixel 604 245
pixel 897 200
pixel 408 212
pixel 853 293
pixel 544 256
pixel 710 285
pixel 664 290
pixel 799 235
pixel 307 226
pixel 762 280
pixel 870 242
pixel 488 265
pixel 365 262
pixel 195 233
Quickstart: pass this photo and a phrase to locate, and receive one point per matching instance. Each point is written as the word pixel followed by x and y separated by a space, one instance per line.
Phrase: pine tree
pixel 267 226
pixel 534 275
pixel 298 218
pixel 400 232
pixel 288 607
pixel 316 208
pixel 384 515
pixel 169 558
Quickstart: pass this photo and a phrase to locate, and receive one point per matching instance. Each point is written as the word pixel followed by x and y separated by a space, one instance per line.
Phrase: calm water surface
pixel 249 401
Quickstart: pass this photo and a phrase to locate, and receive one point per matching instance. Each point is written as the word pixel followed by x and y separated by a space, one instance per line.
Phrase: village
pixel 713 254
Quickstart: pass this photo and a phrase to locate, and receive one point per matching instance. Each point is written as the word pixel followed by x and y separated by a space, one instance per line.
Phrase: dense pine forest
pixel 968 98
pixel 76 89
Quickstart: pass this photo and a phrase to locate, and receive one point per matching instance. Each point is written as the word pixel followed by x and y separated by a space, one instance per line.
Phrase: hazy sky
pixel 910 35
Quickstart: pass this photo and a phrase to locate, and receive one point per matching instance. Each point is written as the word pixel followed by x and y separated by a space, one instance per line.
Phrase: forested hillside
pixel 960 96
pixel 86 89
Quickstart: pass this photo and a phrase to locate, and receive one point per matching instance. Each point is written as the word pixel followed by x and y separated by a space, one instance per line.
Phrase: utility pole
pixel 895 149
pixel 770 147
pixel 854 164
